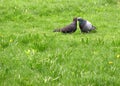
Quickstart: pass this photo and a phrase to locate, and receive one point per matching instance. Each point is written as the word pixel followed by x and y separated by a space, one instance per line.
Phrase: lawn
pixel 31 54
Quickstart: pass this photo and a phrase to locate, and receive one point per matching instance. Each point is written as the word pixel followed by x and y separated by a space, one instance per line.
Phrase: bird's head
pixel 80 19
pixel 75 19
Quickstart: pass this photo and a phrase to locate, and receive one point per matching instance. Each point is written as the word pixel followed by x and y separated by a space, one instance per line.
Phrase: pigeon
pixel 85 26
pixel 69 28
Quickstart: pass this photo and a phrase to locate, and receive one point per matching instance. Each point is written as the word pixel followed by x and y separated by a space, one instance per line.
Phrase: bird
pixel 69 28
pixel 85 26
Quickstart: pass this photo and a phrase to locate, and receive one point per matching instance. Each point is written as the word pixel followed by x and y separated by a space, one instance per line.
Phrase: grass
pixel 32 55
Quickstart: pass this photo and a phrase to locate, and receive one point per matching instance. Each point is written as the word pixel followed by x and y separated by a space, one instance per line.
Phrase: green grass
pixel 32 55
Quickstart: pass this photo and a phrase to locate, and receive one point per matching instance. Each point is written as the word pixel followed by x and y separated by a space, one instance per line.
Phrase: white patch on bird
pixel 89 25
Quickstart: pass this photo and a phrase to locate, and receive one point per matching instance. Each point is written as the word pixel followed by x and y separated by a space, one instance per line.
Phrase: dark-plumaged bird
pixel 69 28
pixel 85 26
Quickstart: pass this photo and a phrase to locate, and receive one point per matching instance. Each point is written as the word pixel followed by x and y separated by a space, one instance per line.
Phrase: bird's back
pixel 70 28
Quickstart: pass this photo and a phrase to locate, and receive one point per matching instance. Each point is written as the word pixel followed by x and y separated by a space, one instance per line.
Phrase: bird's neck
pixel 82 22
pixel 75 23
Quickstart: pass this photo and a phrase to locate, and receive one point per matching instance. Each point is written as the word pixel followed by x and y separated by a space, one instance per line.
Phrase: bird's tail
pixel 94 27
pixel 57 30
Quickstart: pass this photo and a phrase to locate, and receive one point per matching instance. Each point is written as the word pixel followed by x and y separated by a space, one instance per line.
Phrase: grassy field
pixel 32 55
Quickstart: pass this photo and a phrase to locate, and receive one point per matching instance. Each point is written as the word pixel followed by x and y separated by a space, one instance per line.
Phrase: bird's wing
pixel 88 25
pixel 68 28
